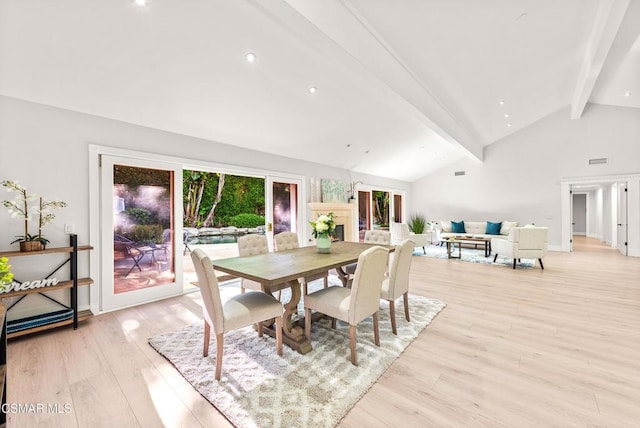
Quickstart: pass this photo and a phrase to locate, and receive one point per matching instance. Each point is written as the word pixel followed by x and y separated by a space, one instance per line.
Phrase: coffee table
pixel 467 239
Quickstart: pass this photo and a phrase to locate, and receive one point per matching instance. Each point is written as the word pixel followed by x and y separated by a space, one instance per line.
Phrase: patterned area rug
pixel 472 255
pixel 260 389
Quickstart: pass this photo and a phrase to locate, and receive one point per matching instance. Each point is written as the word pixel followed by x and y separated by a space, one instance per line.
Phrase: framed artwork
pixel 332 191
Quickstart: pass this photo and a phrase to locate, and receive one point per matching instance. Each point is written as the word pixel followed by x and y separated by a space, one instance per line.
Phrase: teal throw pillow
pixel 458 227
pixel 493 228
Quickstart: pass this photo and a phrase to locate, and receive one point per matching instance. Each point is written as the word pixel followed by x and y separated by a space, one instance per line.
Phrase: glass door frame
pixel 392 194
pixel 96 150
pixel 269 199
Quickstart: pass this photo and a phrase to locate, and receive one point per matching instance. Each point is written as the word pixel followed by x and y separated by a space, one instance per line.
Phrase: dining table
pixel 282 269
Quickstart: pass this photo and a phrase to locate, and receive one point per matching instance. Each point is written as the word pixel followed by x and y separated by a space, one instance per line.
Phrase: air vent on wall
pixel 459 173
pixel 597 161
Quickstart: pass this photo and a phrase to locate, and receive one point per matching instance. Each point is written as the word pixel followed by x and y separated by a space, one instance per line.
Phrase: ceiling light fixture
pixel 501 102
pixel 251 57
pixel 509 125
pixel 313 90
pixel 627 94
pixel 140 3
pixel 506 115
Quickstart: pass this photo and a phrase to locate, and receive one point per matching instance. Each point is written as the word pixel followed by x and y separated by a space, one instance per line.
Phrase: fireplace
pixel 345 215
pixel 339 232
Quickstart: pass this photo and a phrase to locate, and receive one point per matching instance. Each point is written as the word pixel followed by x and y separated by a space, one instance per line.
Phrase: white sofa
pixel 444 230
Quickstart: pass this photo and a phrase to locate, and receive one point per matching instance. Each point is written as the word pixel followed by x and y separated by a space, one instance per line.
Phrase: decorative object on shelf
pixel 323 229
pixel 19 207
pixel 29 285
pixel 352 190
pixel 332 190
pixel 6 277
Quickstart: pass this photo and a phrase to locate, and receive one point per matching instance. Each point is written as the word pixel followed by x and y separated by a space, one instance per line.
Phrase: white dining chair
pixel 251 245
pixel 381 237
pixel 396 284
pixel 353 305
pixel 239 311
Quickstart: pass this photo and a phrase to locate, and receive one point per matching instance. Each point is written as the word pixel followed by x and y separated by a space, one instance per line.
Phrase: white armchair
pixel 400 232
pixel 522 243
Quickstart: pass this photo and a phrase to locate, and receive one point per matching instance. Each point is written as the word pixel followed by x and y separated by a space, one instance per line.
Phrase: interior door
pixel 283 206
pixel 140 223
pixel 622 219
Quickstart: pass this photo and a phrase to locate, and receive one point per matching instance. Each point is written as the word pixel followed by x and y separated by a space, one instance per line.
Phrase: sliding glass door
pixel 141 231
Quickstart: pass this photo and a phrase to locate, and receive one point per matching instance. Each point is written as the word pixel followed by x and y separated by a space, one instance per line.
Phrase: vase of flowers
pixel 19 207
pixel 323 229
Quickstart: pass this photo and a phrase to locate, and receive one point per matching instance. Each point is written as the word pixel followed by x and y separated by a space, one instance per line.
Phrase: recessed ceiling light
pixel 251 57
pixel 509 125
pixel 627 94
pixel 141 3
pixel 506 115
pixel 313 90
pixel 501 102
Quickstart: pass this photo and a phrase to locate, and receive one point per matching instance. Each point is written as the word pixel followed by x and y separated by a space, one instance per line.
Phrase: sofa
pixel 446 229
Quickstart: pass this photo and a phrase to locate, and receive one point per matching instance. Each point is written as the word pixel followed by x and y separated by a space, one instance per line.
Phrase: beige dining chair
pixel 239 311
pixel 381 237
pixel 396 284
pixel 251 245
pixel 288 241
pixel 353 305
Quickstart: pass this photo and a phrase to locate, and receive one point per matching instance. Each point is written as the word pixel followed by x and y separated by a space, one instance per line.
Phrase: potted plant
pixel 417 223
pixel 6 277
pixel 323 228
pixel 19 207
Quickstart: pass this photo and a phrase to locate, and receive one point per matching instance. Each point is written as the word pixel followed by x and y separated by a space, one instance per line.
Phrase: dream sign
pixel 30 285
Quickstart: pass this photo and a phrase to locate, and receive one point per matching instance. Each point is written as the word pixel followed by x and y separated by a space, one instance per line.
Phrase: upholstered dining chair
pixel 381 237
pixel 353 305
pixel 396 284
pixel 239 311
pixel 522 243
pixel 288 241
pixel 250 245
pixel 400 232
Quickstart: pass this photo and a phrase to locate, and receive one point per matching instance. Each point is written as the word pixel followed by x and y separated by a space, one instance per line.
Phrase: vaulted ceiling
pixel 404 87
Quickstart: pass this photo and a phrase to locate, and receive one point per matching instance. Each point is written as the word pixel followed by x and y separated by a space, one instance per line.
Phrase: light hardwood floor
pixel 513 348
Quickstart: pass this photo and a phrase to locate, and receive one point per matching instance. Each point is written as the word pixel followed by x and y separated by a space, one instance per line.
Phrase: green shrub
pixel 417 223
pixel 138 215
pixel 246 220
pixel 147 234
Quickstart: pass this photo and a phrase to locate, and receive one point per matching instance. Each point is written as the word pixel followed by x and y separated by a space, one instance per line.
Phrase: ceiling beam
pixel 608 20
pixel 337 28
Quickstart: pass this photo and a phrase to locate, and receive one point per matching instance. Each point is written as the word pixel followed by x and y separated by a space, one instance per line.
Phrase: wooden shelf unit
pixel 72 284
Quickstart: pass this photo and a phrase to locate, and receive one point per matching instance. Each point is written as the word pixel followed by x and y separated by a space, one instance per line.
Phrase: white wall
pixel 46 150
pixel 521 174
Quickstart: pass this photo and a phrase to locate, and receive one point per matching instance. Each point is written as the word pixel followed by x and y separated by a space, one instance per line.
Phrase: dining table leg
pixel 292 333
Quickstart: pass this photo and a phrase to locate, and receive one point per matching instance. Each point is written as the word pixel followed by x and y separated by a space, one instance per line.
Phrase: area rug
pixel 473 256
pixel 260 389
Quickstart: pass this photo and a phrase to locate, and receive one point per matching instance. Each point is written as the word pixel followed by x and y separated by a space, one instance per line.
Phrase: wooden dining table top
pixel 282 266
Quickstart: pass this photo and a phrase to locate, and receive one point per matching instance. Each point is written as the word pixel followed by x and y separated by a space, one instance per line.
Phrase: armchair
pixel 522 243
pixel 400 232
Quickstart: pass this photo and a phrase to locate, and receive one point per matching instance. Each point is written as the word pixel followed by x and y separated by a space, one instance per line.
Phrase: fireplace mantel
pixel 345 214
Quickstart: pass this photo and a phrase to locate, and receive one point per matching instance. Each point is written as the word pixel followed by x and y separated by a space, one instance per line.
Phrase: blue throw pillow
pixel 493 228
pixel 457 227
